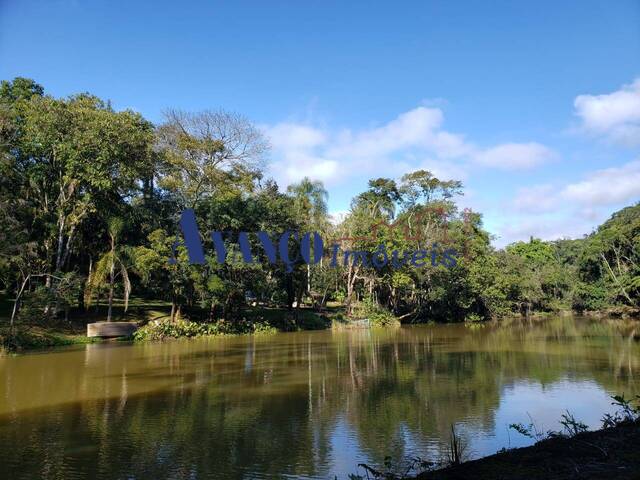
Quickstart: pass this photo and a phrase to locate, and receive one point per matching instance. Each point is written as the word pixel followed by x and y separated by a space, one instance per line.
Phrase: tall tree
pixel 109 267
pixel 310 204
pixel 74 155
pixel 207 152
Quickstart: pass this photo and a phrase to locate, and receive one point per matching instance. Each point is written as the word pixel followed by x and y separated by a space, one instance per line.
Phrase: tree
pixel 208 151
pixel 19 88
pixel 380 199
pixel 310 205
pixel 611 257
pixel 423 185
pixel 109 267
pixel 73 155
pixel 310 202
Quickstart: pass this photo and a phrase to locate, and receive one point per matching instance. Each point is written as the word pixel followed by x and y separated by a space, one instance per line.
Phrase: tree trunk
pixel 112 277
pixel 59 250
pixel 111 282
pixel 290 291
pixel 615 279
pixel 352 275
pixel 173 307
pixel 16 303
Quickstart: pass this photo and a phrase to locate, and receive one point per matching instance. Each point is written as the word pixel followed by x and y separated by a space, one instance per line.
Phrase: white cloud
pixel 547 228
pixel 299 149
pixel 294 136
pixel 515 156
pixel 416 129
pixel 601 188
pixel 294 165
pixel 337 217
pixel 536 199
pixel 568 211
pixel 607 187
pixel 418 139
pixel 614 116
pixel 414 139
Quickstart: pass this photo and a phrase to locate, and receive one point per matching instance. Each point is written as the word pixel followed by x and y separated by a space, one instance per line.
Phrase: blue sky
pixel 535 106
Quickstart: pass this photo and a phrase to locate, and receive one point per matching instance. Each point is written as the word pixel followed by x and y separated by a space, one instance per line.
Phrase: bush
pixel 164 329
pixel 44 304
pixel 589 297
pixel 473 318
pixel 377 315
pixel 33 305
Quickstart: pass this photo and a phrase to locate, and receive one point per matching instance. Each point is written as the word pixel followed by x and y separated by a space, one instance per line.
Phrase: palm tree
pixel 310 204
pixel 310 201
pixel 110 266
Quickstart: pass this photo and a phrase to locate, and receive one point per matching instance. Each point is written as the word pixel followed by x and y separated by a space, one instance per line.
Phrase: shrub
pixel 627 413
pixel 164 329
pixel 589 297
pixel 473 318
pixel 377 315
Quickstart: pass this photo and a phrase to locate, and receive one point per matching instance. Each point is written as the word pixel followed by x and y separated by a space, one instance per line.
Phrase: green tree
pixel 109 267
pixel 209 152
pixel 73 155
pixel 310 207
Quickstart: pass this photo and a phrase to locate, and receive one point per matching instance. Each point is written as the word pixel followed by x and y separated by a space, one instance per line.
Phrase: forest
pixel 90 206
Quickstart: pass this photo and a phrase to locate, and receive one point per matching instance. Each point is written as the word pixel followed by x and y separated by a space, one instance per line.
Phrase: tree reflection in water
pixel 303 404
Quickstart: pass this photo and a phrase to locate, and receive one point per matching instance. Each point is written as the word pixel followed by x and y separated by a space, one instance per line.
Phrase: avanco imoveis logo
pixel 311 247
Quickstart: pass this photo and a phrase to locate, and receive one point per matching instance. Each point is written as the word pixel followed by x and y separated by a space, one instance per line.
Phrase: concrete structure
pixel 111 329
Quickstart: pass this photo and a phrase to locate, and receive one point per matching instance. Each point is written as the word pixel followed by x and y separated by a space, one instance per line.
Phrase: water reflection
pixel 309 404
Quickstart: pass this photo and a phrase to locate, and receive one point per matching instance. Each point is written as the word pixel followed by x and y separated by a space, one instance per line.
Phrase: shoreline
pixel 586 456
pixel 258 321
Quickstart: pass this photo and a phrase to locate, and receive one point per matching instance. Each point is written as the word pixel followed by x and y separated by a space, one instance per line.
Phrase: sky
pixel 534 106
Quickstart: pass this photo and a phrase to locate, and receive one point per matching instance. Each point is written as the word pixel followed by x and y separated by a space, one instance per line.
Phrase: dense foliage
pixel 91 199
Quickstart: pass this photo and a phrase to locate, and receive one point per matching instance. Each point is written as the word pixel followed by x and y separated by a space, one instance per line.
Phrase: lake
pixel 306 404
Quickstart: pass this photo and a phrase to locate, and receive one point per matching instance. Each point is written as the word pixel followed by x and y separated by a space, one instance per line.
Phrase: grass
pixel 37 337
pixel 154 316
pixel 71 331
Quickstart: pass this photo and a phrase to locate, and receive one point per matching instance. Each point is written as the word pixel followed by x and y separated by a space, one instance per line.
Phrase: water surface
pixel 303 405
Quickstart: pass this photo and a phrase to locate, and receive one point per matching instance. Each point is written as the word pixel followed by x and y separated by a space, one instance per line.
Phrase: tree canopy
pixel 73 169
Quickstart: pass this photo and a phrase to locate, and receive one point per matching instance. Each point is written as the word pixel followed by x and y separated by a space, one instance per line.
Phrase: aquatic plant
pixel 627 413
pixel 572 426
pixel 457 448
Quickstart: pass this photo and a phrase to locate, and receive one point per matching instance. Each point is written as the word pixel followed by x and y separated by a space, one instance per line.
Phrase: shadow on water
pixel 308 404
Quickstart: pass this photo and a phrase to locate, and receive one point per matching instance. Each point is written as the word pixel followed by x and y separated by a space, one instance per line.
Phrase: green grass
pixel 154 316
pixel 36 337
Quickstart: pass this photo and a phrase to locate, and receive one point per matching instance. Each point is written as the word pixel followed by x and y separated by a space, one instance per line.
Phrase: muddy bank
pixel 611 453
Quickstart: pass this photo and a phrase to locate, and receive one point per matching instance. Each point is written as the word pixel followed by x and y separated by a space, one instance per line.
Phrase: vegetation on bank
pixel 254 321
pixel 588 456
pixel 90 201
pixel 34 337
pixel 573 453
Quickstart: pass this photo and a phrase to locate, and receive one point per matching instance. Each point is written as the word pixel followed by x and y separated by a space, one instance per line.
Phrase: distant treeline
pixel 90 201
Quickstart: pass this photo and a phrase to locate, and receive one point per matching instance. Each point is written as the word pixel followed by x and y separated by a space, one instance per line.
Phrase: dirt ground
pixel 612 454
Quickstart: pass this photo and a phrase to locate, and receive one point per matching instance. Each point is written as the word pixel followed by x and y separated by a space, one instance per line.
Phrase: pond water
pixel 307 404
